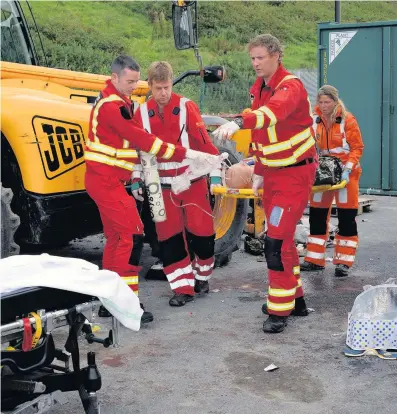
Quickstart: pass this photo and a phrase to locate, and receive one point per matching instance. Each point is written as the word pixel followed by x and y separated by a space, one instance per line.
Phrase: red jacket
pixel 179 124
pixel 281 122
pixel 114 137
pixel 342 139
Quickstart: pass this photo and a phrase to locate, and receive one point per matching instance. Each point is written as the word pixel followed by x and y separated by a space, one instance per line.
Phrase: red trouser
pixel 346 241
pixel 286 192
pixel 189 228
pixel 120 221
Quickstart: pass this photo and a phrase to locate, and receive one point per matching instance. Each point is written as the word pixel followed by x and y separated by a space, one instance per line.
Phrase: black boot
pixel 180 299
pixel 300 308
pixel 146 316
pixel 310 267
pixel 341 270
pixel 156 272
pixel 201 286
pixel 103 312
pixel 275 324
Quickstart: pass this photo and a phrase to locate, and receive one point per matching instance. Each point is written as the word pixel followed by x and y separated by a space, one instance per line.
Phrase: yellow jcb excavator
pixel 44 124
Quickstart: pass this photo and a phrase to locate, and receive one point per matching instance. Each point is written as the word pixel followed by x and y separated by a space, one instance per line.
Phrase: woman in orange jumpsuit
pixel 337 134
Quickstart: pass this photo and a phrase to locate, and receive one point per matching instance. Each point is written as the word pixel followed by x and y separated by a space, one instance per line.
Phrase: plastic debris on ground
pixel 271 368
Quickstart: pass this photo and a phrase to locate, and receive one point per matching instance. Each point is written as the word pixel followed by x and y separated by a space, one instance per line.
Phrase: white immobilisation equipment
pixel 151 179
pixel 198 167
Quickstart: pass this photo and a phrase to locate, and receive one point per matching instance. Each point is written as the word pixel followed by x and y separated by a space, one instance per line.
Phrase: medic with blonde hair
pixel 187 236
pixel 338 135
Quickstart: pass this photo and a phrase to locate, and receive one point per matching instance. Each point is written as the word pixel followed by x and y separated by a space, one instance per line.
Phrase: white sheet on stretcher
pixel 75 275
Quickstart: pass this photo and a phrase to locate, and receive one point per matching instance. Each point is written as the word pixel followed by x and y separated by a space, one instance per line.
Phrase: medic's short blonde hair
pixel 160 72
pixel 270 42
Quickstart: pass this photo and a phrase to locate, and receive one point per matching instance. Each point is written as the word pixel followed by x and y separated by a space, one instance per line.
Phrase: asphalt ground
pixel 209 356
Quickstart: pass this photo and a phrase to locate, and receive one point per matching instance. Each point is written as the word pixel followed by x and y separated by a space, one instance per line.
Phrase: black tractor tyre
pixel 229 242
pixel 9 224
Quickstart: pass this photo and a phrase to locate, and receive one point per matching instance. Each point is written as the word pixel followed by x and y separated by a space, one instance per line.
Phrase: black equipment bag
pixel 329 171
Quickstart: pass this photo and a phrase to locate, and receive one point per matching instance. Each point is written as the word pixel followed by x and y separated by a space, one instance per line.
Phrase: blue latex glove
pixel 345 175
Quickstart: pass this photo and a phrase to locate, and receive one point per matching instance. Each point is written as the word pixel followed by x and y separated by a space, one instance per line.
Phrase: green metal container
pixel 360 60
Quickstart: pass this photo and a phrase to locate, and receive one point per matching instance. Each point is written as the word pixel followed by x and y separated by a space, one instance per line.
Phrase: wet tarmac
pixel 209 356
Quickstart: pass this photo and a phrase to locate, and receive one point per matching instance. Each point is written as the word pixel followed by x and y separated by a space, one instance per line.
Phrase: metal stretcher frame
pixel 31 380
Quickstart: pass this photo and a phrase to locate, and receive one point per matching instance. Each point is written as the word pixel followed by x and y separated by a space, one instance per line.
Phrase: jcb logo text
pixel 60 144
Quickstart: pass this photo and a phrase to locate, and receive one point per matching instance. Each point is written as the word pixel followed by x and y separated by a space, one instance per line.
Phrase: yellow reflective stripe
pixel 170 151
pixel 292 159
pixel 296 270
pixel 131 280
pixel 253 146
pixel 104 159
pixel 299 282
pixel 288 77
pixel 98 106
pixel 105 149
pixel 156 146
pixel 282 146
pixel 271 131
pixel 281 293
pixel 113 152
pixel 126 153
pixel 126 143
pixel 260 120
pixel 281 306
pixel 267 111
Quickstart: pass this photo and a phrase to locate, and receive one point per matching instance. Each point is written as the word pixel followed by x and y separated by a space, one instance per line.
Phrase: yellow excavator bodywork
pixel 45 119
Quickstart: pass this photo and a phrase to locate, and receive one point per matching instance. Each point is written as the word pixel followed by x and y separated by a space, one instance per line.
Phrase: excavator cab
pixel 16 43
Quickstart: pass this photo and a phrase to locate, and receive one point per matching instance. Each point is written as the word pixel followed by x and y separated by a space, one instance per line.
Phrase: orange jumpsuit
pixel 286 158
pixel 110 156
pixel 342 140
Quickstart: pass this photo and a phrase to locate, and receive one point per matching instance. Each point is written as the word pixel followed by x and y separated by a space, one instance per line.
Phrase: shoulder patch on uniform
pixel 176 110
pixel 151 113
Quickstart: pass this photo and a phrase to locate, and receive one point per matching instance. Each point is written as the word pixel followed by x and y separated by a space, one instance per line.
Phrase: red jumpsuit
pixel 342 139
pixel 110 159
pixel 189 215
pixel 285 155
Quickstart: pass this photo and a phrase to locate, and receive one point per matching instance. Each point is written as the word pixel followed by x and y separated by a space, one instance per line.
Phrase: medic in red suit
pixel 110 155
pixel 187 236
pixel 286 161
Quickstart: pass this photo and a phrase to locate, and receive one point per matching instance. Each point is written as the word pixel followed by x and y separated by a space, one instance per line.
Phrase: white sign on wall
pixel 337 42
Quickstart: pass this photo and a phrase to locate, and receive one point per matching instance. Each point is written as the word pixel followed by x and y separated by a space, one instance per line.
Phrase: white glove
pixel 198 155
pixel 226 131
pixel 257 183
pixel 137 194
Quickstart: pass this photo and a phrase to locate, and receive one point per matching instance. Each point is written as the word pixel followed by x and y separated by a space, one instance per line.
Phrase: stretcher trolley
pixel 34 369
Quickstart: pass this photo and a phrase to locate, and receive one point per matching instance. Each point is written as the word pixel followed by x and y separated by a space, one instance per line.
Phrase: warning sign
pixel 337 42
